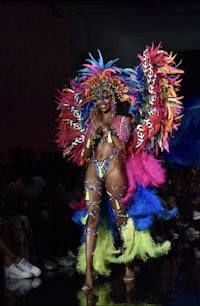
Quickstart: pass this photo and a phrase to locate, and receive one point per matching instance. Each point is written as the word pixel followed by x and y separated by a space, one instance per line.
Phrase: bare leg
pixel 121 221
pixel 8 254
pixel 130 289
pixel 93 200
pixel 91 237
pixel 129 272
pixel 116 189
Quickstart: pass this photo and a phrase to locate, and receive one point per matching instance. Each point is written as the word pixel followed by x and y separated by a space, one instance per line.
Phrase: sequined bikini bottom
pixel 101 167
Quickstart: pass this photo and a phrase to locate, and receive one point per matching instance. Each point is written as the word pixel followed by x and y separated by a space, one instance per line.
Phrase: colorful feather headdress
pixel 151 90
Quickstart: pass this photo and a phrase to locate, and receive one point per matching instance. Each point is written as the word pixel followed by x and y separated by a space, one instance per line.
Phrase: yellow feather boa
pixel 138 245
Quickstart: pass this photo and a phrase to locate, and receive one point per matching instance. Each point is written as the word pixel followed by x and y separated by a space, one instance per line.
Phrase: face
pixel 104 102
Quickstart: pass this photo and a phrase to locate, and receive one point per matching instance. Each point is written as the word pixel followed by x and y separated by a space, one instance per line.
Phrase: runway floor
pixel 173 279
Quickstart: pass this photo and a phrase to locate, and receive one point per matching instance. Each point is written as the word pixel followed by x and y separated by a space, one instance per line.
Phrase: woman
pixel 122 172
pixel 104 152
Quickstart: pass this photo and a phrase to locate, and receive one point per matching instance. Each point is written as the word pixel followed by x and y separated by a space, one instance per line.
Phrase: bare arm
pixel 89 146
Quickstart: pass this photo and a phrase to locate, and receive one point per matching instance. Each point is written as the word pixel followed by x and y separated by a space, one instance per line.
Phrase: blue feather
pixel 92 60
pixel 100 61
pixel 143 223
pixel 78 215
pixel 146 206
pixel 110 63
pixel 168 214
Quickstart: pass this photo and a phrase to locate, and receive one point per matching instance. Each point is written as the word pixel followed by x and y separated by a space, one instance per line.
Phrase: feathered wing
pixel 157 108
pixel 71 130
pixel 156 111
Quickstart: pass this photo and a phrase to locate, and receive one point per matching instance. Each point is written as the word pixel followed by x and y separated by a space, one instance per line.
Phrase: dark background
pixel 43 43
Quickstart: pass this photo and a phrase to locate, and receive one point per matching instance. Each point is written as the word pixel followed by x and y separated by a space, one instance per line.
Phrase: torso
pixel 104 150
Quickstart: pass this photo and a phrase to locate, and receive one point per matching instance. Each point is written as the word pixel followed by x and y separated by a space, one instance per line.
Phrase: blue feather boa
pixel 143 209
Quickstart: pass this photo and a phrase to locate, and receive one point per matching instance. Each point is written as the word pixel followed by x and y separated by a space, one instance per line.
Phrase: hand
pixel 96 118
